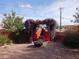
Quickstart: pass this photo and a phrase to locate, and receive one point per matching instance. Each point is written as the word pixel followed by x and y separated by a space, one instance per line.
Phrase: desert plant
pixel 71 39
pixel 12 22
pixel 4 40
pixel 76 16
pixel 19 37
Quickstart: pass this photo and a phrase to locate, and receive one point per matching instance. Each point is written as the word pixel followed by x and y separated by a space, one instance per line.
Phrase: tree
pixel 12 22
pixel 76 16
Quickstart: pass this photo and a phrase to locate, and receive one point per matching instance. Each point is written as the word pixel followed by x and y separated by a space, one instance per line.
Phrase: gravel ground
pixel 27 51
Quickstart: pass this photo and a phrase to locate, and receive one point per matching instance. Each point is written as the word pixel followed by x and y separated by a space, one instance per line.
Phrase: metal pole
pixel 60 18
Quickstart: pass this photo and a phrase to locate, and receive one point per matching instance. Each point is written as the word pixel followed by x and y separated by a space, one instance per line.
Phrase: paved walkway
pixel 27 51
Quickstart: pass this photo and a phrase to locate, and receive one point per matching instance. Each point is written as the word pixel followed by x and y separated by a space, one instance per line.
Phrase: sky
pixel 41 9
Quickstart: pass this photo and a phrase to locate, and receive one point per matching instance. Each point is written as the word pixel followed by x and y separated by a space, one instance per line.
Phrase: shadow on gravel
pixel 31 46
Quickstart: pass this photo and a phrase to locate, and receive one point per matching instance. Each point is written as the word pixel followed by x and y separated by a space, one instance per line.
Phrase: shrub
pixel 71 39
pixel 4 40
pixel 20 37
pixel 12 22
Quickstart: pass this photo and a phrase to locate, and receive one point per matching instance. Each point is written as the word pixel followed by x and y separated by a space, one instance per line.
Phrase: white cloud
pixel 52 11
pixel 69 8
pixel 1 14
pixel 25 6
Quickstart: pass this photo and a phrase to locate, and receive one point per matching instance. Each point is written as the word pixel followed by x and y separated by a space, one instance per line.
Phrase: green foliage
pixel 71 39
pixel 20 37
pixel 76 16
pixel 12 22
pixel 18 23
pixel 4 40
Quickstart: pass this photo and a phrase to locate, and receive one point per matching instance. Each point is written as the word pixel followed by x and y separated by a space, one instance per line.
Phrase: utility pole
pixel 60 18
